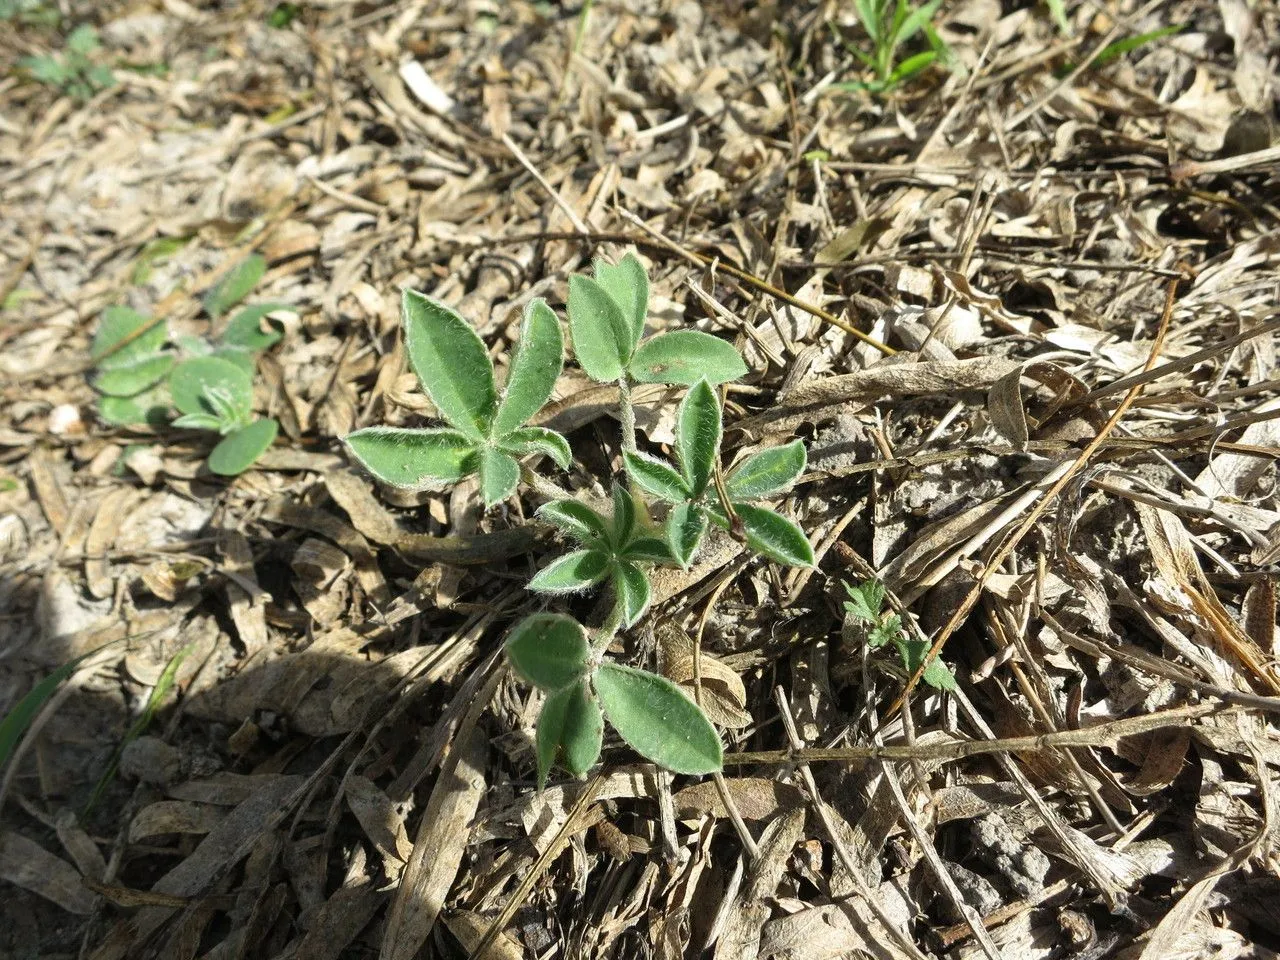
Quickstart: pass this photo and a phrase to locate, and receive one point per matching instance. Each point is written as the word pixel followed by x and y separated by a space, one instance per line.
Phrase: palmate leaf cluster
pixel 488 430
pixel 140 379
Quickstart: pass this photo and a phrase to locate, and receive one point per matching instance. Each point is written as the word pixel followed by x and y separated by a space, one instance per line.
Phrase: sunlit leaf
pixel 413 459
pixel 601 335
pixel 885 632
pixel 766 472
pixel 774 535
pixel 246 329
pixel 631 591
pixel 150 407
pixel 573 572
pixel 527 440
pixel 116 326
pixel 548 650
pixel 686 356
pixel 628 284
pixel 698 436
pixel 866 600
pixel 577 520
pixel 192 381
pixel 236 284
pixel 129 381
pixel 648 549
pixel 499 474
pixel 237 451
pixel 535 366
pixel 451 363
pixel 653 476
pixel 571 727
pixel 686 525
pixel 657 720
pixel 624 514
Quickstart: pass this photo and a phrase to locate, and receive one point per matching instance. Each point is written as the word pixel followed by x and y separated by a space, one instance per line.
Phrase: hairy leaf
pixel 548 650
pixel 601 334
pixel 698 436
pixel 573 572
pixel 766 472
pixel 624 515
pixel 149 407
pixel 570 726
pixel 499 474
pixel 246 328
pixel 655 477
pixel 130 381
pixel 648 549
pixel 686 525
pixel 887 631
pixel 118 324
pixel 686 356
pixel 239 449
pixel 936 675
pixel 577 520
pixel 235 285
pixel 866 600
pixel 193 380
pixel 628 284
pixel 198 421
pixel 451 363
pixel 535 366
pixel 657 720
pixel 412 459
pixel 631 589
pixel 527 440
pixel 775 536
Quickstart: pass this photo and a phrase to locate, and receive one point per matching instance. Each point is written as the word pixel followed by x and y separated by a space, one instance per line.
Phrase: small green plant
pixel 35 13
pixel 486 434
pixel 889 24
pixel 283 14
pixel 140 379
pixel 73 71
pixel 866 605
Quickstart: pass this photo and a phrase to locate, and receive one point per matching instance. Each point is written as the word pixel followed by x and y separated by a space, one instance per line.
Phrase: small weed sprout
pixel 73 71
pixel 866 605
pixel 889 24
pixel 140 380
pixel 487 431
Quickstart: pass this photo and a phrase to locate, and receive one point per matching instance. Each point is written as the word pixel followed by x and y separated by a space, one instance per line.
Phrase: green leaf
pixel 766 472
pixel 198 421
pixel 132 380
pixel 939 676
pixel 527 440
pixel 241 357
pixel 698 436
pixel 117 324
pixel 624 514
pixel 774 536
pixel 866 600
pixel 655 477
pixel 601 334
pixel 412 459
pixel 45 69
pixel 548 650
pixel 911 66
pixel 627 284
pixel 686 356
pixel 150 407
pixel 192 380
pixel 577 520
pixel 648 550
pixel 887 631
pixel 451 363
pixel 572 727
pixel 1058 10
pixel 657 720
pixel 235 285
pixel 536 363
pixel 246 328
pixel 936 674
pixel 631 591
pixel 499 475
pixel 686 525
pixel 573 572
pixel 83 39
pixel 239 449
pixel 19 717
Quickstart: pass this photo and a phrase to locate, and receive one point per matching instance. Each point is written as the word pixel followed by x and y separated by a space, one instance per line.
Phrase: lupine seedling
pixel 866 604
pixel 140 380
pixel 486 434
pixel 73 71
pixel 698 497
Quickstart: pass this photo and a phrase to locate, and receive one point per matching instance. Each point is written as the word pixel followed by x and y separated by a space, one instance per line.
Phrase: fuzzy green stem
pixel 627 412
pixel 608 630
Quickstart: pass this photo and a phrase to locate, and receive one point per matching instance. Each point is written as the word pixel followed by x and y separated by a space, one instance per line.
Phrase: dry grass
pixel 1024 316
